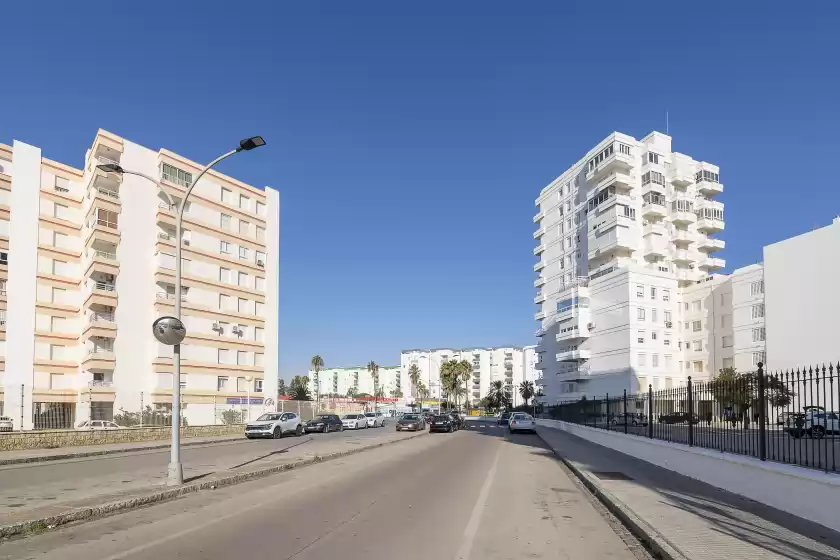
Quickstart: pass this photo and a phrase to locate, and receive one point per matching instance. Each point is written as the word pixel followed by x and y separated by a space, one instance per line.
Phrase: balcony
pixel 539 315
pixel 709 188
pixel 539 266
pixel 170 298
pixel 101 261
pixel 655 249
pixel 540 298
pixel 572 332
pixel 614 163
pixel 539 216
pixel 683 257
pixel 581 372
pixel 711 245
pixel 101 325
pixel 604 247
pixel 680 177
pixel 686 276
pixel 657 228
pixel 620 180
pixel 682 237
pixel 100 293
pixel 573 355
pixel 539 249
pixel 539 282
pixel 711 264
pixel 710 225
pixel 99 358
pixel 654 210
pixel 683 218
pixel 539 233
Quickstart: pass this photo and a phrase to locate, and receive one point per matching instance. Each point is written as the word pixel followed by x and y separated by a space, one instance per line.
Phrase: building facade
pixel 356 380
pixel 509 364
pixel 625 240
pixel 87 264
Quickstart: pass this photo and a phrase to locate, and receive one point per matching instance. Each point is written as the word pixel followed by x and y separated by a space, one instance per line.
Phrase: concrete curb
pixel 650 537
pixel 70 455
pixel 121 506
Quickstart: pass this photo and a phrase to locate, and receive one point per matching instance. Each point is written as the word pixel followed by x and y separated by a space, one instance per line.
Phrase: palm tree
pixel 414 377
pixel 317 363
pixel 526 390
pixel 352 392
pixel 373 369
pixel 464 376
pixel 449 378
pixel 497 395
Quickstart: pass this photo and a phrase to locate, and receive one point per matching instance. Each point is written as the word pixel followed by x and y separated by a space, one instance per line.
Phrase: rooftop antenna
pixel 667 130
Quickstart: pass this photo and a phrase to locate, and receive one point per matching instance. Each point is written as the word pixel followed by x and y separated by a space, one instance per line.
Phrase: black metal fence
pixel 788 417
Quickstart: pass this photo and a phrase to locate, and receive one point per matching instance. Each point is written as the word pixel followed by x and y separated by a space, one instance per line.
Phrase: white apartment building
pixel 625 239
pixel 339 381
pixel 87 264
pixel 509 364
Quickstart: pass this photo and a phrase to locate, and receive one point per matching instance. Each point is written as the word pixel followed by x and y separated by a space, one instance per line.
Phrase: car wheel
pixel 818 432
pixel 299 430
pixel 277 433
pixel 341 428
pixel 248 437
pixel 326 428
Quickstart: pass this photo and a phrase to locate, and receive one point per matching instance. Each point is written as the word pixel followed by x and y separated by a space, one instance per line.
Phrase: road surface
pixel 475 494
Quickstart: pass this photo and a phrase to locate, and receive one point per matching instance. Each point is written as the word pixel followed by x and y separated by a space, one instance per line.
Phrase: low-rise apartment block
pixel 87 263
pixel 356 381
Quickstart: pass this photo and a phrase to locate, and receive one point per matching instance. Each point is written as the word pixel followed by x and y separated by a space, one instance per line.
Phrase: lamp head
pixel 251 143
pixel 110 167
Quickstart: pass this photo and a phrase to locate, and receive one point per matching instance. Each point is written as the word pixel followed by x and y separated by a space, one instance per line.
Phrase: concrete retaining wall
pixel 806 493
pixel 70 438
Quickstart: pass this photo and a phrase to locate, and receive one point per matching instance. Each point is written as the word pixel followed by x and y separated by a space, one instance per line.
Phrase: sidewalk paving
pixel 697 520
pixel 37 455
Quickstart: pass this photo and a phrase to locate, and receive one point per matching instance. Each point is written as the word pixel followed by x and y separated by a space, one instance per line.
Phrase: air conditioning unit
pixel 186 241
pixel 236 330
pixel 590 326
pixel 217 327
pixel 668 324
pixel 109 277
pixel 261 264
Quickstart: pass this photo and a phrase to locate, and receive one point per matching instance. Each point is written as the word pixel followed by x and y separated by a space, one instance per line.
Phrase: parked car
pixel 678 418
pixel 442 423
pixel 521 422
pixel 354 421
pixel 98 425
pixel 325 423
pixel 504 419
pixel 274 425
pixel 815 423
pixel 6 424
pixel 375 419
pixel 633 419
pixel 411 422
pixel 457 420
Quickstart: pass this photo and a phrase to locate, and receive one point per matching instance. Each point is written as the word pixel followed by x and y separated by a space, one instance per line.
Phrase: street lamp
pixel 175 471
pixel 248 380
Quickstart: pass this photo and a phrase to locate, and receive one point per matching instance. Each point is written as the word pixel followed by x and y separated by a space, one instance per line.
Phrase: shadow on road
pixel 254 460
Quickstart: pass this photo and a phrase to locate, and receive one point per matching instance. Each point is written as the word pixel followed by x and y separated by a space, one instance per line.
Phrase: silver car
pixel 521 422
pixel 274 425
pixel 375 419
pixel 354 421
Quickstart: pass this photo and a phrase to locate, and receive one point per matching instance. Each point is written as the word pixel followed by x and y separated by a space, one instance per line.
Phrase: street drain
pixel 611 475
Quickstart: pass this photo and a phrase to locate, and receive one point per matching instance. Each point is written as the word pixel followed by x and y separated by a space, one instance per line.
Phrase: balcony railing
pixel 101 318
pixel 100 349
pixel 61 189
pixel 105 255
pixel 103 222
pixel 165 236
pixel 107 160
pixel 100 383
pixel 104 286
pixel 166 206
pixel 107 192
pixel 164 296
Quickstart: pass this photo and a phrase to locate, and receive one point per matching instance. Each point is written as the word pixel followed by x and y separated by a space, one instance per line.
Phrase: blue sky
pixel 409 140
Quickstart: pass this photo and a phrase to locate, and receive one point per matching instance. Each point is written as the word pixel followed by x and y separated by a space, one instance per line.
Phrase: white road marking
pixel 482 426
pixel 475 518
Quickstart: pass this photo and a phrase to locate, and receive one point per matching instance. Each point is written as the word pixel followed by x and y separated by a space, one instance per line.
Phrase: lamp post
pixel 248 380
pixel 175 471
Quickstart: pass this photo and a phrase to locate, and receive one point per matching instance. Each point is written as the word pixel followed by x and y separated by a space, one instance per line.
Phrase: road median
pixel 104 505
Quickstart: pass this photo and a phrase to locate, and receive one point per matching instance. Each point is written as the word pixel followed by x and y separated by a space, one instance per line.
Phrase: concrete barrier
pixel 54 439
pixel 806 493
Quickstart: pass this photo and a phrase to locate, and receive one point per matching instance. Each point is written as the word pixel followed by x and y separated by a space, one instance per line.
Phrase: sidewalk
pixel 694 519
pixel 38 455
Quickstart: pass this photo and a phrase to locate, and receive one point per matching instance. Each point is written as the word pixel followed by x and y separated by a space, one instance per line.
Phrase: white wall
pixel 23 266
pixel 745 350
pixel 270 310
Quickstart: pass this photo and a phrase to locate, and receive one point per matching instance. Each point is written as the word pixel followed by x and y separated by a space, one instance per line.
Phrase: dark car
pixel 504 419
pixel 457 420
pixel 442 423
pixel 678 418
pixel 411 422
pixel 324 423
pixel 633 419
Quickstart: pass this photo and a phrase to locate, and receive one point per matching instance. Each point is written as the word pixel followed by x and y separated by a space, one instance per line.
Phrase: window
pixel 244 202
pixel 624 148
pixel 722 300
pixel 243 305
pixel 640 337
pixel 640 314
pixel 224 275
pixel 243 331
pixel 242 358
pixel 685 304
pixel 726 341
pixel 243 279
pixel 682 205
pixel 759 334
pixel 260 233
pixel 562 263
pixel 707 176
pixel 58 295
pixel 224 247
pixel 727 362
pixel 244 227
pixel 641 360
pixel 243 252
pixel 258 334
pixel 652 292
pixel 653 315
pixel 666 295
pixel 697 345
pixel 758 311
pixel 2 286
pixel 224 221
pixel 224 301
pixel 653 157
pixel 667 317
pixel 640 291
pixel 696 326
pixel 669 361
pixel 654 335
pixel 568 206
pixel 569 242
pixel 568 223
pixel 260 309
pixel 667 342
pixel 626 211
pixel 260 208
pixel 227 195
pixel 654 360
pixel 696 305
pixel 223 327
pixel 106 218
pixel 258 385
pixel 260 283
pixel 174 175
pixel 698 367
pixel 759 357
pixel 259 360
pixel 223 356
pixel 757 288
pixel 687 325
pixel 725 321
pixel 608 151
pixel 657 178
pixel 568 260
pixel 60 211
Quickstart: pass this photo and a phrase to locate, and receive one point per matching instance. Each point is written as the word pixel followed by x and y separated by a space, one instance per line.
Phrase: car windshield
pixel 410 417
pixel 441 417
pixel 370 415
pixel 520 417
pixel 506 415
pixel 271 417
pixel 323 417
pixel 350 416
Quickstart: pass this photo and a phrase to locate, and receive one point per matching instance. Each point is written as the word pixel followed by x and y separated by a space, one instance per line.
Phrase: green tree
pixel 498 396
pixel 281 387
pixel 299 389
pixel 396 394
pixel 373 370
pixel 414 378
pixel 231 416
pixel 449 378
pixel 352 393
pixel 739 391
pixel 526 390
pixel 317 363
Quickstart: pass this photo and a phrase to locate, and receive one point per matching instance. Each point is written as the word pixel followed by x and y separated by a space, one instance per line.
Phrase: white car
pixel 521 422
pixel 99 425
pixel 354 421
pixel 375 420
pixel 274 425
pixel 6 424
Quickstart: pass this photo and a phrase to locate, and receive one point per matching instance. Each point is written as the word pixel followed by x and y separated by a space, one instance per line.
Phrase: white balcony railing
pixel 100 349
pixel 166 206
pixel 104 286
pixel 101 318
pixel 104 255
pixel 164 296
pixel 100 383
pixel 61 189
pixel 165 236
pixel 108 192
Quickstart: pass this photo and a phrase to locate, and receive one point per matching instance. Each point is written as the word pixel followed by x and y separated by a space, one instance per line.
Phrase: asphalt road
pixel 27 487
pixel 475 494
